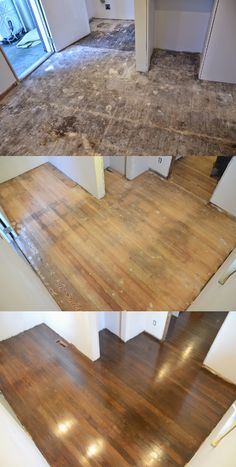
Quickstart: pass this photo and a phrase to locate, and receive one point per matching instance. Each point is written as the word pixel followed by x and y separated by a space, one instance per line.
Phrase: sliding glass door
pixel 24 35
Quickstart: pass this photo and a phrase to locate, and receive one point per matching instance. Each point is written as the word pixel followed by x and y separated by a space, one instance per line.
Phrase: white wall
pixel 137 165
pixel 21 288
pixel 117 163
pixel 182 25
pixel 143 35
pixel 11 167
pixel 132 324
pixel 7 78
pixel 221 358
pixel 161 165
pixel 87 171
pixel 113 322
pixel 224 195
pixel 110 320
pixel 120 9
pixel 151 28
pixel 154 323
pixel 13 323
pixel 90 8
pixel 157 324
pixel 17 447
pixel 79 329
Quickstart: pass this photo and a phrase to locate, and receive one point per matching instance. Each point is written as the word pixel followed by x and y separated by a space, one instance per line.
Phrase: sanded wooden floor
pixel 142 404
pixel 193 174
pixel 150 244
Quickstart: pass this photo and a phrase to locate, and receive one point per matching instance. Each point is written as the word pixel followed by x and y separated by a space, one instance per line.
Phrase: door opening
pixel 199 175
pixel 24 35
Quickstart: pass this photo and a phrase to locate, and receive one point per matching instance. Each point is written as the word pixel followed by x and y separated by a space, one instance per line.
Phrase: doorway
pixel 24 35
pixel 194 174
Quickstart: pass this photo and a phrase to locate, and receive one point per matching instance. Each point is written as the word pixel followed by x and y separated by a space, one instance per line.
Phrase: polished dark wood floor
pixel 143 403
pixel 149 245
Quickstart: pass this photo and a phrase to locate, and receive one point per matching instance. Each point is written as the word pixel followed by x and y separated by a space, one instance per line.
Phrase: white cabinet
pixel 220 292
pixel 219 57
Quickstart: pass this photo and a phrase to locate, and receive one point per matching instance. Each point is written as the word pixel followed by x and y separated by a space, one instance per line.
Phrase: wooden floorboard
pixel 150 244
pixel 143 403
pixel 193 174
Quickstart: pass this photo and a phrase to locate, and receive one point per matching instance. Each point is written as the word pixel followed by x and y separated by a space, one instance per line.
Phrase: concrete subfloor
pixel 89 100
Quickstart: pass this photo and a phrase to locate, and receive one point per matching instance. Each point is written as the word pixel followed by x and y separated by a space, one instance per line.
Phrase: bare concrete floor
pixel 89 100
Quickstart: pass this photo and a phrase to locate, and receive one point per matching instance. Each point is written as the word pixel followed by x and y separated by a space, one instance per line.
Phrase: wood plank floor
pixel 142 404
pixel 193 174
pixel 148 245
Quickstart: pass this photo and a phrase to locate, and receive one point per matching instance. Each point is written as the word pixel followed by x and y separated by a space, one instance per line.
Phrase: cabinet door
pixel 219 57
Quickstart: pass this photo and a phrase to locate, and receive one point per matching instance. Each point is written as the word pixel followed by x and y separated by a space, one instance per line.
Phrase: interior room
pixel 110 234
pixel 77 391
pixel 22 36
pixel 127 77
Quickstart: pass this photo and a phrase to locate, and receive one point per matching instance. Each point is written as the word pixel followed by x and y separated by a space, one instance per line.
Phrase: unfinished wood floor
pixel 193 174
pixel 142 404
pixel 148 245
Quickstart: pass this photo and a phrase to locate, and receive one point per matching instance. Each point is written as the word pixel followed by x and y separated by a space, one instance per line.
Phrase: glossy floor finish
pixel 142 404
pixel 90 100
pixel 148 245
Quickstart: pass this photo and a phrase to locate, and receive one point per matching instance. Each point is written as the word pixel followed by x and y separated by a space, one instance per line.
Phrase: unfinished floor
pixel 142 404
pixel 150 244
pixel 89 100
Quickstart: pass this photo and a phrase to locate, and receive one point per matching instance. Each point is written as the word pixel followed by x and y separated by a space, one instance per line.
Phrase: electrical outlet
pixel 107 6
pixel 154 323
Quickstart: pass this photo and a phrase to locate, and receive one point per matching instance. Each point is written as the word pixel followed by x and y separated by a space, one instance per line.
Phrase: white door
pixel 17 447
pixel 219 57
pixel 219 293
pixel 221 358
pixel 20 287
pixel 67 20
pixel 219 449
